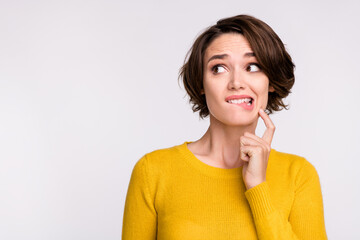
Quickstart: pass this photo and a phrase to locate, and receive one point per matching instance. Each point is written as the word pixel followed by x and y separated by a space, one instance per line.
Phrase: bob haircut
pixel 269 51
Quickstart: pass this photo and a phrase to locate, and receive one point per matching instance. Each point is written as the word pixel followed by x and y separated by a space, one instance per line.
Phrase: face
pixel 234 85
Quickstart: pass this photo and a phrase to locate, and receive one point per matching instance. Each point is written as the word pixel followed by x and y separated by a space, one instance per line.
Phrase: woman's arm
pixel 307 214
pixel 306 220
pixel 140 217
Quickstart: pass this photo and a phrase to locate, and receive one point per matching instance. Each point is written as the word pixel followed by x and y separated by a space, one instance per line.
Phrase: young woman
pixel 229 184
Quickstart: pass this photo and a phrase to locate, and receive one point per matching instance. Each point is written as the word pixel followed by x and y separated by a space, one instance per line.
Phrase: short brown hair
pixel 269 50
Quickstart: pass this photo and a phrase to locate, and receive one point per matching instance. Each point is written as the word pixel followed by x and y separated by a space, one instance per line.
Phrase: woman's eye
pixel 218 69
pixel 253 67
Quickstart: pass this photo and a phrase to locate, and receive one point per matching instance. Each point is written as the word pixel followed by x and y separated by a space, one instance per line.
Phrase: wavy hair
pixel 269 50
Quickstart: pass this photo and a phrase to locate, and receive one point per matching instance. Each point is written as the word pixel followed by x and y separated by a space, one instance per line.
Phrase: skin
pixel 230 140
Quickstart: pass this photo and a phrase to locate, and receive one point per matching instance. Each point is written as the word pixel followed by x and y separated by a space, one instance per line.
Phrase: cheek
pixel 213 96
pixel 210 96
pixel 266 99
pixel 263 93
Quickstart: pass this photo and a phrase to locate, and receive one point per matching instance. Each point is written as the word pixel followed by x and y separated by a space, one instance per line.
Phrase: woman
pixel 229 184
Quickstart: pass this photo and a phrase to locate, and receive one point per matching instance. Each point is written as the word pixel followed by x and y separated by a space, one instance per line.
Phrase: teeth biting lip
pixel 243 99
pixel 247 101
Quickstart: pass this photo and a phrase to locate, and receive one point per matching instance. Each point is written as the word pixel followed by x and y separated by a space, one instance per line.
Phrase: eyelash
pixel 247 67
pixel 257 65
pixel 214 67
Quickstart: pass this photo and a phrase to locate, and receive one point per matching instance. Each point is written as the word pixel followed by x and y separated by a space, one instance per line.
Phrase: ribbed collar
pixel 207 169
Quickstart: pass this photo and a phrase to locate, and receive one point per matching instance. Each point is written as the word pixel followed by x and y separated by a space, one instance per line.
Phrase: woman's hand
pixel 255 152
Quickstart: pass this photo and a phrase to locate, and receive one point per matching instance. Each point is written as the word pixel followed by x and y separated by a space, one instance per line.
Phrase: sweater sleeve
pixel 306 220
pixel 140 216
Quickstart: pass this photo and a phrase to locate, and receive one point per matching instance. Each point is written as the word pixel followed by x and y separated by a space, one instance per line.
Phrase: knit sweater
pixel 172 195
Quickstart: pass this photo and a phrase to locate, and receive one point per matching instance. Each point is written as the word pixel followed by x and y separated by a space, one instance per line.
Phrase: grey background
pixel 88 87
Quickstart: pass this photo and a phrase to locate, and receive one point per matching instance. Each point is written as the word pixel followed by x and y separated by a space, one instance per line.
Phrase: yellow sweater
pixel 172 195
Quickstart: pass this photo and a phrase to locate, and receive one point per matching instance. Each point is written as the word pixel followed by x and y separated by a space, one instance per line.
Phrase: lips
pixel 232 97
pixel 244 101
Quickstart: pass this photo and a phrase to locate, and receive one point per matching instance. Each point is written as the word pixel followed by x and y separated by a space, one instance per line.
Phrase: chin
pixel 241 123
pixel 236 121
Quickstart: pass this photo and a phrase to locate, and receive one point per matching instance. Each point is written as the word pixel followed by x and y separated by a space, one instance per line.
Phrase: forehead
pixel 228 42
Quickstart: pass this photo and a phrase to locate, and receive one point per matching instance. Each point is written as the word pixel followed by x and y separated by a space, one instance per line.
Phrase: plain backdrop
pixel 88 87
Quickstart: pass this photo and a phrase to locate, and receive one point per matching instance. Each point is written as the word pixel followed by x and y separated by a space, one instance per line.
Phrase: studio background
pixel 88 87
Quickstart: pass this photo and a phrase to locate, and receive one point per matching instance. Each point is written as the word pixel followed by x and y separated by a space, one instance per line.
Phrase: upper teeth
pixel 239 100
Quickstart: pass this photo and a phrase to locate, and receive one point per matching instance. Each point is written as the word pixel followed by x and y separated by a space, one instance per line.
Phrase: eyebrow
pixel 222 56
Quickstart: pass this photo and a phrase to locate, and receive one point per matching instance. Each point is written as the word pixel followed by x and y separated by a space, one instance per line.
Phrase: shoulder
pixel 293 164
pixel 163 155
pixel 288 159
pixel 160 160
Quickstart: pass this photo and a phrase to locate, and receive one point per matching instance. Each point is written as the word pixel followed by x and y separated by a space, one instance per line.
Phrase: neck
pixel 221 143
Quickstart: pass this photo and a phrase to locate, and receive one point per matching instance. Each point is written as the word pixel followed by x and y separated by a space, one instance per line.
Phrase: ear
pixel 202 91
pixel 271 89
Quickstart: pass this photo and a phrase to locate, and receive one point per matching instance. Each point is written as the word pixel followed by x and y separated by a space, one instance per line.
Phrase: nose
pixel 237 80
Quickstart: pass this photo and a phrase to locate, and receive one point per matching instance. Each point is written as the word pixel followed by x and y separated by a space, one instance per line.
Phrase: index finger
pixel 270 127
